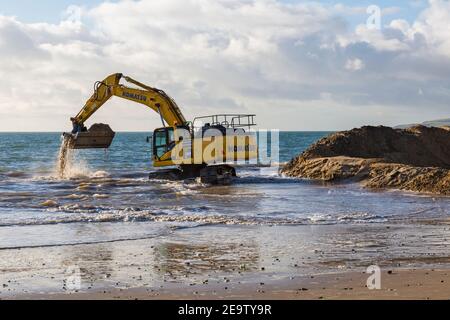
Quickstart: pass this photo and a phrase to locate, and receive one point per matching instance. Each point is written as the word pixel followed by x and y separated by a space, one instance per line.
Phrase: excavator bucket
pixel 98 136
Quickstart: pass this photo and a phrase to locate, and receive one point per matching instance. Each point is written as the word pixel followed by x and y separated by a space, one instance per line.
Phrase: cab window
pixel 162 138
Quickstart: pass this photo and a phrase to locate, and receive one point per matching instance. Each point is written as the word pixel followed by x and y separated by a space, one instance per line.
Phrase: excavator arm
pixel 153 98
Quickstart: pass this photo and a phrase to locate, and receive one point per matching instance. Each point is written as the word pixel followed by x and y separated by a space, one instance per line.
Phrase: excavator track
pixel 218 174
pixel 215 174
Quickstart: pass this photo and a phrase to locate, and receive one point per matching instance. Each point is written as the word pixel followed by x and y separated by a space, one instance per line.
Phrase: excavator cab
pixel 163 141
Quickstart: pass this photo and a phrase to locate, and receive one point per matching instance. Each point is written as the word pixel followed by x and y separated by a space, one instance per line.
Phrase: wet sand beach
pixel 226 263
pixel 414 284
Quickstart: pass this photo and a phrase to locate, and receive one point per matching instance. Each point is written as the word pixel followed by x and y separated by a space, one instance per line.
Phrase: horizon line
pixel 152 131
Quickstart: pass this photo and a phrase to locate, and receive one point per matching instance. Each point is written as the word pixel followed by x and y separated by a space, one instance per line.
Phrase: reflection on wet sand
pixel 182 260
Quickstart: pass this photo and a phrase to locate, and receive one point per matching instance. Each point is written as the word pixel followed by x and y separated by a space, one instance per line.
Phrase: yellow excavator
pixel 206 147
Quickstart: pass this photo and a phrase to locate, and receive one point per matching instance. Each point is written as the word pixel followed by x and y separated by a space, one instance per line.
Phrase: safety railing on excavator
pixel 234 121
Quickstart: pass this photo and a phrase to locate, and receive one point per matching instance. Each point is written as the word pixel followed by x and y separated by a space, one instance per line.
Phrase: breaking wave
pixel 197 216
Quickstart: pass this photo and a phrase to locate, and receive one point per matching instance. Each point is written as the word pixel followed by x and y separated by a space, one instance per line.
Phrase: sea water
pixel 107 197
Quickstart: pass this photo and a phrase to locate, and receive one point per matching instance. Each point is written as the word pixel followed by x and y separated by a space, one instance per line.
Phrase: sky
pixel 297 65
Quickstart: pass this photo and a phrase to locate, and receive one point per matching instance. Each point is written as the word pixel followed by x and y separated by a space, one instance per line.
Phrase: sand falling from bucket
pixel 68 163
pixel 65 153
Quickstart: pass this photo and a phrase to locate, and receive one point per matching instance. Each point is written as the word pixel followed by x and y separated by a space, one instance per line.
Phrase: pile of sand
pixel 101 127
pixel 416 159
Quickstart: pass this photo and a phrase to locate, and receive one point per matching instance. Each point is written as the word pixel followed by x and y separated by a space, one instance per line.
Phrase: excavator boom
pixel 153 98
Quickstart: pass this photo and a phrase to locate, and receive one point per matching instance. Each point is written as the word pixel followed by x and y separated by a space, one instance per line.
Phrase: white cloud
pixel 434 25
pixel 258 56
pixel 354 64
